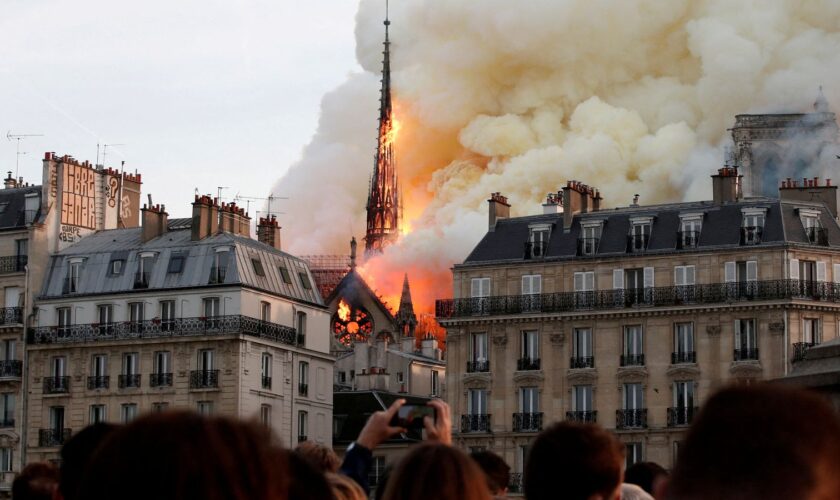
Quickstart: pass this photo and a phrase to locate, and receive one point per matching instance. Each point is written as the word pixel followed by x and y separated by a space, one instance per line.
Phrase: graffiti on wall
pixel 78 196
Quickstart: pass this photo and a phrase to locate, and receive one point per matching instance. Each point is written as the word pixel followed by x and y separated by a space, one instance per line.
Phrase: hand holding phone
pixel 411 416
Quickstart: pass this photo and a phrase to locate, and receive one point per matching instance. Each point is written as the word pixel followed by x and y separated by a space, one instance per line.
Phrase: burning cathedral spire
pixel 384 206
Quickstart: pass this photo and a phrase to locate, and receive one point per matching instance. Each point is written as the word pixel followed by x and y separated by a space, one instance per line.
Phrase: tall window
pixel 478 353
pixel 6 459
pixel 64 321
pixel 100 365
pixel 74 274
pixel 529 400
pixel 633 453
pixel 129 363
pixel 205 408
pixel 377 469
pixel 477 402
pixel 167 315
pixel 303 426
pixel 582 398
pixel 7 408
pixel 529 350
pixel 97 414
pixel 266 370
pixel 9 347
pixel 582 348
pixel 205 360
pixel 435 383
pixel 57 420
pixel 105 315
pixel 633 397
pixel 161 362
pixel 684 394
pixel 479 291
pixel 683 343
pixel 584 285
pixel 689 232
pixel 58 366
pixel 211 307
pixel 301 327
pixel 219 267
pixel 136 313
pixel 634 348
pixel 746 340
pixel 590 237
pixel 538 242
pixel 811 330
pixel 752 228
pixel 265 415
pixel 531 290
pixel 265 311
pixel 303 378
pixel 639 236
pixel 128 412
pixel 162 375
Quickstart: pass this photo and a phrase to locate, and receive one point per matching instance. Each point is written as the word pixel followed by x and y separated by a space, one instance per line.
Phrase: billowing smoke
pixel 629 96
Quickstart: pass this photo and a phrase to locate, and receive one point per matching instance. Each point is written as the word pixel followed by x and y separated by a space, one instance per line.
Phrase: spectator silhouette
pixel 495 470
pixel 439 471
pixel 76 455
pixel 37 481
pixel 646 475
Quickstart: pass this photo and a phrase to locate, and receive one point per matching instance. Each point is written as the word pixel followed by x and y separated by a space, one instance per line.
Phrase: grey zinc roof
pixel 12 205
pixel 102 247
pixel 721 228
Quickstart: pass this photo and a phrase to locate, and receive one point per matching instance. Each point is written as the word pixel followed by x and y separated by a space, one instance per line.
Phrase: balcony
pixel 53 437
pixel 129 381
pixel 632 360
pixel 303 389
pixel 682 357
pixel 11 368
pixel 751 235
pixel 687 239
pixel 584 417
pixel 535 250
pixel 799 350
pixel 478 366
pixel 637 243
pixel 515 484
pixel 817 236
pixel 631 419
pixel 266 382
pixel 7 421
pixel 746 354
pixel 528 364
pixel 13 264
pixel 141 280
pixel 204 379
pixel 95 382
pixel 582 362
pixel 11 316
pixel 681 415
pixel 669 296
pixel 475 423
pixel 587 246
pixel 527 422
pixel 155 329
pixel 56 385
pixel 160 380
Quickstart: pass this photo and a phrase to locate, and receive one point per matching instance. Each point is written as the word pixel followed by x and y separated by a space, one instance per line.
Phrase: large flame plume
pixel 631 96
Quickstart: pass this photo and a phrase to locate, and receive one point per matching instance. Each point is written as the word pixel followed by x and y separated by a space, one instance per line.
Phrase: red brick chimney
pixel 810 190
pixel 268 231
pixel 726 185
pixel 499 209
pixel 579 198
pixel 155 220
pixel 205 219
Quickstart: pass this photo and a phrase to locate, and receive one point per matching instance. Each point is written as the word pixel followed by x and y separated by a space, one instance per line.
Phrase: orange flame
pixel 343 310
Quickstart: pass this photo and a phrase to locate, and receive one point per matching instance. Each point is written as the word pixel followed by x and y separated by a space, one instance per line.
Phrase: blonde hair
pixel 344 488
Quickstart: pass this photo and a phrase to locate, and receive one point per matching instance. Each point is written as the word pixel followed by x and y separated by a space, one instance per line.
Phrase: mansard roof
pixel 13 206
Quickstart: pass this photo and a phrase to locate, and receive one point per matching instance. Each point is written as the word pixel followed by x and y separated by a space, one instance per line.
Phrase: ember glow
pixel 343 310
pixel 351 324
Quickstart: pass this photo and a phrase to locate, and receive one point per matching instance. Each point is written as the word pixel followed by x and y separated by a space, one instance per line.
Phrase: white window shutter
pixel 476 287
pixel 649 277
pixel 578 282
pixel 794 269
pixel 689 275
pixel 737 334
pixel 729 272
pixel 589 282
pixel 820 271
pixel 536 283
pixel 836 271
pixel 679 275
pixel 618 279
pixel 526 285
pixel 752 270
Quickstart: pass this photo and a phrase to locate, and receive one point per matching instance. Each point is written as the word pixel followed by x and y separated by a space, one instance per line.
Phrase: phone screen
pixel 411 416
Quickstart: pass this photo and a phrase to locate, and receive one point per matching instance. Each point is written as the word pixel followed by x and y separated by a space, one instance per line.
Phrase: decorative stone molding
pixel 713 330
pixel 500 340
pixel 582 376
pixel 683 371
pixel 557 339
pixel 745 369
pixel 631 374
pixel 529 377
pixel 476 380
pixel 776 327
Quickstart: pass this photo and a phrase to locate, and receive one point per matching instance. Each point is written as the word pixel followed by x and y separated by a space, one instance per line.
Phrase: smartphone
pixel 411 416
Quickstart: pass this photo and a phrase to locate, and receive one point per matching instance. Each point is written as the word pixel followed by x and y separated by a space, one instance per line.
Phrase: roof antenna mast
pixel 17 137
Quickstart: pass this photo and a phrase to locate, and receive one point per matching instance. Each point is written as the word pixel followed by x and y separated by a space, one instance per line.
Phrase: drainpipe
pixel 27 319
pixel 786 362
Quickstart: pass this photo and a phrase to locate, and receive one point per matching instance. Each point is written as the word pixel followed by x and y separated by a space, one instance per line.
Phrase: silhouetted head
pixel 645 475
pixel 433 470
pixel 37 481
pixel 495 469
pixel 76 455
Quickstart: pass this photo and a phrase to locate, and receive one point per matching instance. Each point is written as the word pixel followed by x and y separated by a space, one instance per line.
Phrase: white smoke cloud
pixel 629 96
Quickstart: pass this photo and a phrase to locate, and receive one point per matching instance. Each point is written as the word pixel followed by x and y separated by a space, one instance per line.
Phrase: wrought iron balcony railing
pixel 746 354
pixel 535 250
pixel 151 329
pixel 751 235
pixel 817 236
pixel 588 417
pixel 53 437
pixel 631 419
pixel 56 385
pixel 129 381
pixel 582 362
pixel 475 423
pixel 98 382
pixel 587 246
pixel 477 366
pixel 303 389
pixel 681 357
pixel 515 483
pixel 681 415
pixel 13 264
pixel 266 382
pixel 11 368
pixel 799 350
pixel 714 293
pixel 11 316
pixel 527 422
pixel 204 379
pixel 687 239
pixel 160 380
pixel 523 364
pixel 632 360
pixel 7 421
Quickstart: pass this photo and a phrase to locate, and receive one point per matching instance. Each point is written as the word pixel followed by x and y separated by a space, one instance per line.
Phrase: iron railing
pixel 479 422
pixel 204 379
pixel 98 382
pixel 160 380
pixel 523 364
pixel 527 422
pixel 637 242
pixel 687 239
pixel 150 329
pixel 582 362
pixel 587 246
pixel 7 421
pixel 681 415
pixel 714 293
pixel 746 354
pixel 11 368
pixel 303 389
pixel 475 366
pixel 632 360
pixel 515 483
pixel 13 263
pixel 266 382
pixel 588 417
pixel 129 381
pixel 631 419
pixel 680 357
pixel 817 236
pixel 56 385
pixel 751 235
pixel 799 350
pixel 11 315
pixel 53 437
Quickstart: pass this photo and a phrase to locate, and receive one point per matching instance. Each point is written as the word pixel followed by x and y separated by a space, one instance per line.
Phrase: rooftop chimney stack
pixel 499 209
pixel 10 181
pixel 205 218
pixel 553 203
pixel 810 190
pixel 578 198
pixel 155 221
pixel 268 231
pixel 726 185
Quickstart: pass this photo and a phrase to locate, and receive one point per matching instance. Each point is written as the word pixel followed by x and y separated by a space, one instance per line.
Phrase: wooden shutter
pixel 794 269
pixel 618 279
pixel 752 270
pixel 648 277
pixel 729 274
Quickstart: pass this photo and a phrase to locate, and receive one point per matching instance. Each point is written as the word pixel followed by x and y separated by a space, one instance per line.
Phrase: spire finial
pixel 821 104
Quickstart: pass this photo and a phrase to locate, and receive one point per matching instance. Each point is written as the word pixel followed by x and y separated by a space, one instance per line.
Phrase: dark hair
pixel 36 481
pixel 76 454
pixel 495 470
pixel 643 474
pixel 433 470
pixel 579 460
pixel 183 456
pixel 762 441
pixel 319 456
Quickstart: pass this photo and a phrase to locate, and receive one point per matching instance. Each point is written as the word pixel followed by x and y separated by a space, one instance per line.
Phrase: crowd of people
pixel 748 442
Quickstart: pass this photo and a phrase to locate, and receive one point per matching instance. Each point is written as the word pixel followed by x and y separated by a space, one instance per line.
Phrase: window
pixel 129 363
pixel 811 331
pixel 284 274
pixel 64 320
pixel 752 227
pixel 377 469
pixel 304 280
pixel 219 267
pixel 265 370
pixel 479 291
pixel 105 316
pixel 683 344
pixel 684 282
pixel 176 264
pixel 530 350
pixel 478 353
pixel 205 408
pixel 99 365
pixel 145 264
pixel 9 350
pixel 7 409
pixel 211 307
pixel 265 311
pixel 6 459
pixel 584 286
pixel 689 235
pixel 205 360
pixel 128 412
pixel 258 267
pixel 161 362
pixel 136 312
pixel 684 394
pixel 634 350
pixel 590 237
pixel 477 402
pixel 58 366
pixel 342 377
pixel 301 327
pixel 167 315
pixel 97 414
pixel 160 407
pixel 303 425
pixel 582 349
pixel 633 397
pixel 633 453
pixel 639 236
pixel 116 267
pixel 162 375
pixel 537 241
pixel 531 284
pixel 746 342
pixel 74 274
pixel 638 284
pixel 529 400
pixel 582 398
pixel 303 378
pixel 741 277
pixel 435 383
pixel 265 415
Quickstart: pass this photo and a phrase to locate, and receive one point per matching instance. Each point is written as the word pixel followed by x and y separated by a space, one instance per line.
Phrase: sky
pixel 194 94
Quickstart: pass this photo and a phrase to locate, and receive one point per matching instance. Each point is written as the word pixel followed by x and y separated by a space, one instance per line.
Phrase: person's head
pixel 645 475
pixel 761 441
pixel 583 461
pixel 184 456
pixel 495 469
pixel 433 470
pixel 319 456
pixel 76 454
pixel 37 481
pixel 634 492
pixel 344 488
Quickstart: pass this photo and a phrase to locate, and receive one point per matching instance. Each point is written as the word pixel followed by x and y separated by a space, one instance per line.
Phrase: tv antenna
pixel 269 199
pixel 104 151
pixel 17 137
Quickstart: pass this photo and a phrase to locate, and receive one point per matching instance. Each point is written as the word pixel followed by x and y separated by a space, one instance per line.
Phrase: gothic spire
pixel 406 319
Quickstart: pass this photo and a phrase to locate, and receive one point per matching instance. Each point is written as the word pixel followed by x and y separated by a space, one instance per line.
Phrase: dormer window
pixel 74 276
pixel 145 262
pixel 537 243
pixel 219 267
pixel 590 237
pixel 689 233
pixel 813 228
pixel 752 227
pixel 637 240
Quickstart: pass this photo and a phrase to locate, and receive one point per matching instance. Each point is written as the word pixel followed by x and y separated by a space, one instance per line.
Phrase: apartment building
pixel 631 317
pixel 183 313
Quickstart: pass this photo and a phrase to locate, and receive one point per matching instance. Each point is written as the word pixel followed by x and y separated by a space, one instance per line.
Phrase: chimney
pixel 205 218
pixel 154 220
pixel 268 231
pixel 10 181
pixel 226 219
pixel 726 185
pixel 407 345
pixel 812 190
pixel 578 198
pixel 244 220
pixel 553 203
pixel 499 209
pixel 429 347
